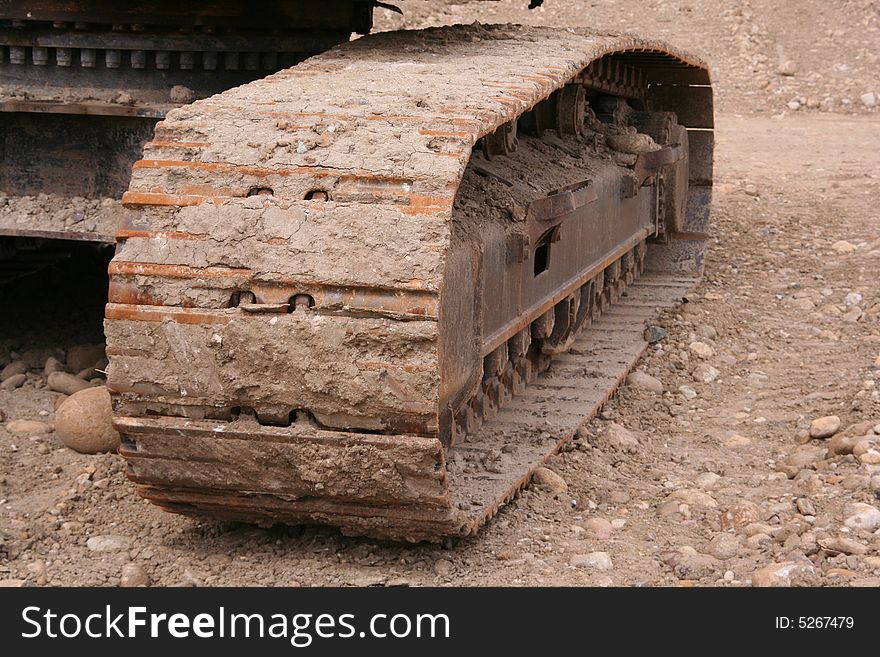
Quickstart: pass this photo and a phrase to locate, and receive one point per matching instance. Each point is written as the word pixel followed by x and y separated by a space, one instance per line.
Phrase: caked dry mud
pixel 345 190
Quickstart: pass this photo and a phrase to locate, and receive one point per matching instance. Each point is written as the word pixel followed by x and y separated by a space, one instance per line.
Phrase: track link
pixel 295 232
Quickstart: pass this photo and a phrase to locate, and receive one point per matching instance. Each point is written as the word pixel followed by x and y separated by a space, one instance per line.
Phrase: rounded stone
pixel 182 95
pixel 52 365
pixel 134 575
pixel 549 480
pixel 84 422
pixel 13 382
pixel 705 373
pixel 14 368
pixel 598 528
pixel 701 349
pixel 824 427
pixel 724 546
pixel 693 497
pixel 594 560
pixel 861 516
pixel 66 383
pixel 645 382
pixel 740 515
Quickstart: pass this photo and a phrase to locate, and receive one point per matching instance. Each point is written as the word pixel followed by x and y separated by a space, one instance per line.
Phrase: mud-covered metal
pixel 428 306
pixel 82 85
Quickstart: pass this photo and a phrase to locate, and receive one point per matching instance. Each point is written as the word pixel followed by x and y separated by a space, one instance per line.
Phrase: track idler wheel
pixel 571 106
pixel 564 111
pixel 501 142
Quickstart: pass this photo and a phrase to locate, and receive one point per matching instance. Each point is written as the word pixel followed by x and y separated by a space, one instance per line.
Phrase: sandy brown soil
pixel 707 483
pixel 765 54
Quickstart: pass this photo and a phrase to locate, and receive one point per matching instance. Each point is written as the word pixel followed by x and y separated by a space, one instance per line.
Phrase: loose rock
pixel 108 543
pixel 705 373
pixel 805 506
pixel 182 95
pixel 645 382
pixel 693 497
pixel 52 365
pixel 620 439
pixel 13 382
pixel 787 68
pixel 443 567
pixel 14 368
pixel 687 392
pixel 696 566
pixel 547 479
pixel 27 427
pixel 598 528
pixel 707 332
pixel 824 427
pixel 784 574
pixel 701 350
pixel 594 560
pixel 66 383
pixel 634 144
pixel 740 515
pixel 134 575
pixel 707 480
pixel 654 334
pixel 84 422
pixel 724 546
pixel 805 456
pixel 842 444
pixel 843 545
pixel 862 516
pixel 842 246
pixel 737 441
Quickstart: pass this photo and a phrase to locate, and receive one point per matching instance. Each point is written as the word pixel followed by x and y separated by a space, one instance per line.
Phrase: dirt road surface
pixel 715 480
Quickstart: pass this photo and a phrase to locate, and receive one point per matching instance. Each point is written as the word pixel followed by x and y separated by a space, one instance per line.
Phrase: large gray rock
pixel 84 422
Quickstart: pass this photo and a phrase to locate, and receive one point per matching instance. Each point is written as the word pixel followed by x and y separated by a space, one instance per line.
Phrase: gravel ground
pixel 765 54
pixel 723 478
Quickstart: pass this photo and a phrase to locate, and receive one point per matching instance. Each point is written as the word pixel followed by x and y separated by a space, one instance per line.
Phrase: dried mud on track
pixel 780 290
pixel 788 311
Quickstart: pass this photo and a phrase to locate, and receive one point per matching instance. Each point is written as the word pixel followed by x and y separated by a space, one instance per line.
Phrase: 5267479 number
pixel 815 622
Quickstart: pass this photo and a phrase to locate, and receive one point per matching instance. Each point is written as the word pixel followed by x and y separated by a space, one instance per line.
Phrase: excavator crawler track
pixel 378 289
